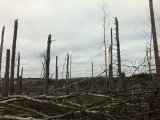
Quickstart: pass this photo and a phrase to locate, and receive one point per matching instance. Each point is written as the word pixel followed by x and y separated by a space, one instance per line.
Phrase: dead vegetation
pixel 128 101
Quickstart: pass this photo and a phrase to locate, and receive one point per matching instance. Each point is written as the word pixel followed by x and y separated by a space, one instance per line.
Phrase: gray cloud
pixel 76 25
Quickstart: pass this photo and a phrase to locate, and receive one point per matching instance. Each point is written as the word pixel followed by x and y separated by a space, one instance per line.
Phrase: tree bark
pixel 20 82
pixel 67 74
pixel 118 47
pixel 13 57
pixel 111 57
pixel 18 66
pixel 57 69
pixel 6 90
pixel 47 64
pixel 104 42
pixel 70 66
pixel 92 69
pixel 1 51
pixel 92 78
pixel 154 34
pixel 154 100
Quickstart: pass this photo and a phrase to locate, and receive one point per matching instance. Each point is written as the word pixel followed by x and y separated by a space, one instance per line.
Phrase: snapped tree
pixel 13 57
pixel 1 51
pixel 47 64
pixel 118 47
pixel 105 15
pixel 154 35
pixel 6 85
pixel 18 66
pixel 111 57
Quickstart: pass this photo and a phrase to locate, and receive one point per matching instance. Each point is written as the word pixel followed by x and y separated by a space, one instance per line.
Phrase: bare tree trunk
pixel 111 57
pixel 56 76
pixel 6 90
pixel 104 41
pixel 67 74
pixel 13 57
pixel 110 64
pixel 18 66
pixel 154 35
pixel 70 66
pixel 20 83
pixel 92 78
pixel 56 68
pixel 1 51
pixel 154 100
pixel 47 64
pixel 118 47
pixel 148 59
pixel 92 69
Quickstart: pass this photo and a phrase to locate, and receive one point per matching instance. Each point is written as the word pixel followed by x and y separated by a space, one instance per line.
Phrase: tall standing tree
pixel 57 69
pixel 6 88
pixel 105 15
pixel 18 67
pixel 67 74
pixel 1 51
pixel 47 64
pixel 154 105
pixel 118 47
pixel 20 83
pixel 111 57
pixel 13 57
pixel 154 35
pixel 70 67
pixel 56 75
pixel 92 78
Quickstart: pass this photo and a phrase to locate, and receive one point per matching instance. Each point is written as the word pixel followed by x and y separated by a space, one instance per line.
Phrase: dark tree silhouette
pixel 154 34
pixel 47 64
pixel 118 47
pixel 6 90
pixel 13 57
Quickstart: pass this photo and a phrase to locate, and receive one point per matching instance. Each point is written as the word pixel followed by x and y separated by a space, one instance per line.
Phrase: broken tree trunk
pixel 70 66
pixel 111 57
pixel 18 66
pixel 154 105
pixel 56 75
pixel 1 51
pixel 110 64
pixel 20 83
pixel 47 64
pixel 92 69
pixel 154 34
pixel 105 46
pixel 6 86
pixel 67 74
pixel 92 78
pixel 13 57
pixel 118 47
pixel 57 69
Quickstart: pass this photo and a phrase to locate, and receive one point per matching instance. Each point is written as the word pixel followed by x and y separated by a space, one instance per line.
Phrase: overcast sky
pixel 76 25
